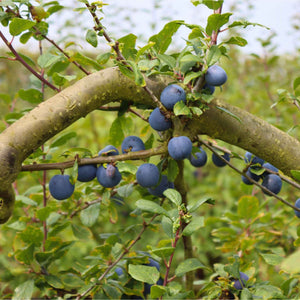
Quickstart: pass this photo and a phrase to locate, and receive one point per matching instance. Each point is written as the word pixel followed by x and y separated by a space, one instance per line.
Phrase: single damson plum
pixel 297 204
pixel 108 150
pixel 251 175
pixel 132 143
pixel 86 173
pixel 60 187
pixel 163 185
pixel 273 183
pixel 147 175
pixel 171 95
pixel 270 167
pixel 240 283
pixel 158 121
pixel 252 159
pixel 200 159
pixel 215 76
pixel 109 176
pixel 180 147
pixel 218 161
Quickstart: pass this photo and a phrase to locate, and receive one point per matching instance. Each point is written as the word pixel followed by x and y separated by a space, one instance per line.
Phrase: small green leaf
pixel 26 200
pixel 272 259
pixel 127 45
pixel 289 265
pixel 87 61
pixel 24 290
pixel 194 225
pixel 61 140
pixel 43 213
pixel 125 190
pixel 91 37
pixel 103 58
pixel 190 76
pixel 168 59
pixel 80 232
pixel 211 4
pixel 60 79
pixel 296 83
pixel 32 96
pixel 216 21
pixel 144 49
pixel 213 55
pixel 127 167
pixel 32 235
pixel 229 113
pixel 237 40
pixel 152 207
pixel 157 291
pixel 18 25
pixel 116 134
pixel 167 226
pixel 54 281
pixel 138 76
pixel 90 215
pixel 48 59
pixel 25 255
pixel 180 109
pixel 173 170
pixel 173 195
pixel 163 252
pixel 188 265
pixel 193 207
pixel 248 207
pixel 144 273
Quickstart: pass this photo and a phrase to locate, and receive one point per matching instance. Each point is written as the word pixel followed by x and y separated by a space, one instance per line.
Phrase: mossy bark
pixel 23 137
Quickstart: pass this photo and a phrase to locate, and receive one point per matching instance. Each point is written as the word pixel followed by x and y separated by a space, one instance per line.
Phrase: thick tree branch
pixel 23 137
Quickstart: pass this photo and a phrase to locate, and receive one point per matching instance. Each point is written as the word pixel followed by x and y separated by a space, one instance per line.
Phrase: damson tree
pixel 131 174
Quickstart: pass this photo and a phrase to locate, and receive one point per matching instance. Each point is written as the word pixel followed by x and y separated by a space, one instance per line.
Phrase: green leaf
pixel 180 109
pixel 173 170
pixel 216 21
pixel 90 215
pixel 229 113
pixel 32 235
pixel 116 134
pixel 85 60
pixel 127 45
pixel 26 200
pixel 167 59
pixel 18 25
pixel 103 58
pixel 213 55
pixel 125 190
pixel 24 290
pixel 61 140
pixel 163 39
pixel 111 291
pixel 272 259
pixel 167 226
pixel 43 213
pixel 193 207
pixel 188 265
pixel 237 40
pixel 152 207
pixel 32 96
pixel 163 251
pixel 248 207
pixel 127 167
pixel 190 76
pixel 245 23
pixel 138 76
pixel 60 79
pixel 144 273
pixel 25 255
pixel 144 49
pixel 289 265
pixel 173 195
pixel 47 59
pixel 194 225
pixel 296 83
pixel 80 232
pixel 157 291
pixel 267 292
pixel 91 37
pixel 211 4
pixel 54 281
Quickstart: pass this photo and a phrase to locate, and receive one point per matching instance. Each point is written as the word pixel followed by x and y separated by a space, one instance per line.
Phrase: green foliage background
pixel 242 228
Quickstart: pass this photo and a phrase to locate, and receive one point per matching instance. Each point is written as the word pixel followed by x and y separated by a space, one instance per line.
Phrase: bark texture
pixel 23 137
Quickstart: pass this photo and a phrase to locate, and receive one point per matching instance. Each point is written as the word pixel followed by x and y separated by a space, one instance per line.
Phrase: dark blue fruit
pixel 180 147
pixel 252 159
pixel 270 167
pixel 108 150
pixel 163 185
pixel 60 187
pixel 251 175
pixel 108 177
pixel 208 89
pixel 297 204
pixel 158 121
pixel 119 271
pixel 86 173
pixel 132 143
pixel 218 161
pixel 273 183
pixel 171 95
pixel 240 283
pixel 147 175
pixel 200 159
pixel 215 76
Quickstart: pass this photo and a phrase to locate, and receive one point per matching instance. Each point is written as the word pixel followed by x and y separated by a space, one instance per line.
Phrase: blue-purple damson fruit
pixel 147 175
pixel 60 187
pixel 240 283
pixel 171 95
pixel 108 150
pixel 297 204
pixel 218 161
pixel 215 76
pixel 273 183
pixel 200 159
pixel 270 167
pixel 163 185
pixel 109 176
pixel 180 147
pixel 132 143
pixel 158 121
pixel 86 173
